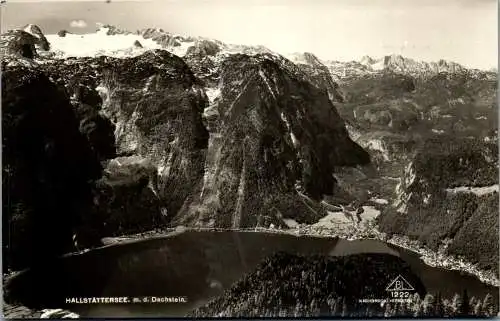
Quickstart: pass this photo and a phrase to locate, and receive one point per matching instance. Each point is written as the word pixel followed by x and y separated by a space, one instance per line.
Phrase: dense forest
pixel 429 306
pixel 448 161
pixel 437 214
pixel 287 285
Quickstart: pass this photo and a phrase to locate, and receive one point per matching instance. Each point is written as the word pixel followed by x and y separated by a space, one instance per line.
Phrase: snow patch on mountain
pixel 99 44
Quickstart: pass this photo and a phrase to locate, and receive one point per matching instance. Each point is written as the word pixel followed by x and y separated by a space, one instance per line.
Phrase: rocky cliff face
pixel 147 110
pixel 47 165
pixel 21 46
pixel 263 148
pixel 42 43
pixel 156 106
pixel 269 131
pixel 317 73
pixel 18 44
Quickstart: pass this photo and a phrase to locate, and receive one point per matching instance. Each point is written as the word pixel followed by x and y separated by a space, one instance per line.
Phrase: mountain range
pixel 120 132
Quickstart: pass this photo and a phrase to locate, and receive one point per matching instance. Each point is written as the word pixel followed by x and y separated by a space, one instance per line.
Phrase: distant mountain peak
pixel 304 58
pixel 123 44
pixel 36 31
pixel 367 60
pixel 401 64
pixel 111 30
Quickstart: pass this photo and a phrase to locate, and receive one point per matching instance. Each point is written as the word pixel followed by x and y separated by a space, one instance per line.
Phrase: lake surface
pixel 197 265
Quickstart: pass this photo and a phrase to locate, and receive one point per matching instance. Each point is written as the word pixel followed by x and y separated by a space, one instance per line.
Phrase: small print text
pixel 385 300
pixel 165 299
pixel 96 300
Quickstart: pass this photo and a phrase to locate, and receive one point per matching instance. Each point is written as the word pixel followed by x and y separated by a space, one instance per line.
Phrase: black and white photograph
pixel 193 159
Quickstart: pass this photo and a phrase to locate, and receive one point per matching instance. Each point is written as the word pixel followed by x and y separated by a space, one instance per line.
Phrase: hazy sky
pixel 461 30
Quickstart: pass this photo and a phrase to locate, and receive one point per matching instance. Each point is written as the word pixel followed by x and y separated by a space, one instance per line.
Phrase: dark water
pixel 198 265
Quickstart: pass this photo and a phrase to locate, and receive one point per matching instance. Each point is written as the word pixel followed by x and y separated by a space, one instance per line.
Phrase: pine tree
pixel 355 310
pixel 397 309
pixel 472 303
pixel 447 308
pixel 408 307
pixel 345 311
pixel 337 308
pixel 428 305
pixel 488 308
pixel 438 306
pixel 419 311
pixel 405 309
pixel 313 305
pixel 388 310
pixel 478 307
pixel 368 312
pixel 465 304
pixel 402 310
pixel 457 305
pixel 297 311
pixel 417 305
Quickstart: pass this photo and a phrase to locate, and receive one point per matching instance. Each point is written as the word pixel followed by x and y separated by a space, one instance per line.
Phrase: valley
pixel 146 135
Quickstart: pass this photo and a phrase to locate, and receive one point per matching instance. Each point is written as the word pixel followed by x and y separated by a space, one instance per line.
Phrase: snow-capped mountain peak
pixel 100 43
pixel 109 40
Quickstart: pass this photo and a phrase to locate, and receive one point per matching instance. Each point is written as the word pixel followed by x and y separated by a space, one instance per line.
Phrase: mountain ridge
pixel 244 136
pixel 390 62
pixel 266 144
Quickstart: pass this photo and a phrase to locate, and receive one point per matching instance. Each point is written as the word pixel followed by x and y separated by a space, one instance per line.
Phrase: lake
pixel 197 265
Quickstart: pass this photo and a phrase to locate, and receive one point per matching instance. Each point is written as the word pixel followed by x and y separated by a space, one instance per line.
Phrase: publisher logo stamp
pixel 399 290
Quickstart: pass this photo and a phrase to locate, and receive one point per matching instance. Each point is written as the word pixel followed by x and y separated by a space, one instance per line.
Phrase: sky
pixel 464 31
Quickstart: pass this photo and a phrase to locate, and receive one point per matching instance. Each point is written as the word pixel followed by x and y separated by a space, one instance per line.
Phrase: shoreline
pixel 443 261
pixel 428 256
